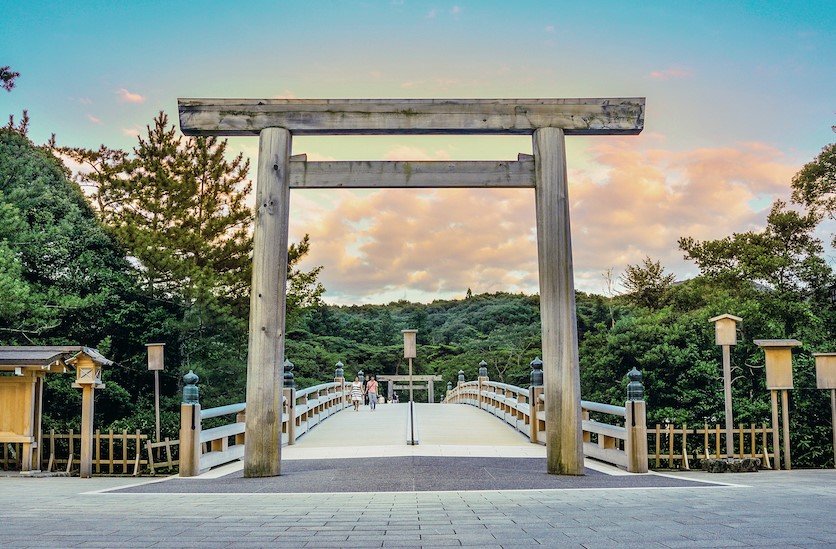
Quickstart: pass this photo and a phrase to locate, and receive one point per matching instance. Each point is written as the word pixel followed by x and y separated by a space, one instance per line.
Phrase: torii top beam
pixel 240 117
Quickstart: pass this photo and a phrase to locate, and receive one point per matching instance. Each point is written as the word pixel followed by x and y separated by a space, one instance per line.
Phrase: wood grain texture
pixel 561 373
pixel 412 175
pixel 267 306
pixel 235 117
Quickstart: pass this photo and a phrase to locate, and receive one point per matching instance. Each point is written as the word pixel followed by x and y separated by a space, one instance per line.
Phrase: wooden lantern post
pixel 88 378
pixel 156 362
pixel 826 379
pixel 725 334
pixel 779 379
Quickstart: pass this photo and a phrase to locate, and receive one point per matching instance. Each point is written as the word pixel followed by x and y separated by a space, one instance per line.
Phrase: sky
pixel 739 95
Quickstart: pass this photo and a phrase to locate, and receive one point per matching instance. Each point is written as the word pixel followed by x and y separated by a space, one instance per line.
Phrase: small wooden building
pixel 22 373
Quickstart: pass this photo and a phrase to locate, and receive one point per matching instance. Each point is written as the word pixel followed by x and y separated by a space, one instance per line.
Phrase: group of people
pixel 358 392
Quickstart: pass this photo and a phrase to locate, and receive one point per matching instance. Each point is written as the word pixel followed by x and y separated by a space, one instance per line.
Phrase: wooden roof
pixel 45 357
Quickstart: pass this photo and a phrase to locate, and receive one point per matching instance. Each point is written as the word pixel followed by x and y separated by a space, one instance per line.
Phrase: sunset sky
pixel 739 96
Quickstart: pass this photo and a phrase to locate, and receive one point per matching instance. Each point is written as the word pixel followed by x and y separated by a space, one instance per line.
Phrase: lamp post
pixel 156 362
pixel 779 379
pixel 725 334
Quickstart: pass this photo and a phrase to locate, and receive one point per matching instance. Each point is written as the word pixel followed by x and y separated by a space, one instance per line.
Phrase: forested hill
pixel 502 329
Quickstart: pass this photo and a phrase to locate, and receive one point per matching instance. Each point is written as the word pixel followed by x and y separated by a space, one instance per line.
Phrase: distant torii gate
pixel 419 382
pixel 275 121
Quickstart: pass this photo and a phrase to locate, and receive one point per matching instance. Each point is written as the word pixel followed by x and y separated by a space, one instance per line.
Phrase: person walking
pixel 356 393
pixel 371 390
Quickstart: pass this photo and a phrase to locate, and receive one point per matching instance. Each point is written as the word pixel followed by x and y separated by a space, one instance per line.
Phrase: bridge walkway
pixel 443 430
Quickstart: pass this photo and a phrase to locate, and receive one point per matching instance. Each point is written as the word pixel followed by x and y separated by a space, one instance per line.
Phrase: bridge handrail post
pixel 190 427
pixel 635 445
pixel 290 399
pixel 483 378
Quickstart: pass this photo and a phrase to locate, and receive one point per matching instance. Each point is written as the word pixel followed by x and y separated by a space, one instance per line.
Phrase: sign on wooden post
pixel 778 358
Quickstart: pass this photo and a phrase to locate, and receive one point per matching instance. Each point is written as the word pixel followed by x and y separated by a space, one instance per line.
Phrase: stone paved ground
pixel 765 509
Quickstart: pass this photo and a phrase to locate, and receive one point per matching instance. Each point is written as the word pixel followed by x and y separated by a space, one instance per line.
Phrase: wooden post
pixel 290 395
pixel 785 414
pixel 262 454
pixel 533 409
pixel 833 421
pixel 564 447
pixel 728 398
pixel 190 440
pixel 86 463
pixel 776 447
pixel 430 391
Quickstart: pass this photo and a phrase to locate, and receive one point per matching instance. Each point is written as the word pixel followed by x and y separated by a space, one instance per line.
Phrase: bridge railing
pixel 201 449
pixel 622 442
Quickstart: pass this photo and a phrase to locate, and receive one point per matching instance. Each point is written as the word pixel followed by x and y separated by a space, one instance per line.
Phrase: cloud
pixel 636 199
pixel 287 94
pixel 129 97
pixel 131 132
pixel 549 28
pixel 94 119
pixel 455 10
pixel 432 14
pixel 671 74
pixel 85 101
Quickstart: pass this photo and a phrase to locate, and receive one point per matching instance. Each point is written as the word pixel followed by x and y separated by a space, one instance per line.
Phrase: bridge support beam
pixel 564 446
pixel 262 454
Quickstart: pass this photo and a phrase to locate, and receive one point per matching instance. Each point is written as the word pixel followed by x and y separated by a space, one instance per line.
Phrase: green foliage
pixel 7 78
pixel 647 283
pixel 815 185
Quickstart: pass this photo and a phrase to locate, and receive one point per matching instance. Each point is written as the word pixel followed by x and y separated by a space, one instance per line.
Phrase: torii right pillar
pixel 561 373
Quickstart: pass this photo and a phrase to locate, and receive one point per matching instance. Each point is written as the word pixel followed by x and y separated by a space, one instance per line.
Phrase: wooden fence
pixel 678 447
pixel 113 453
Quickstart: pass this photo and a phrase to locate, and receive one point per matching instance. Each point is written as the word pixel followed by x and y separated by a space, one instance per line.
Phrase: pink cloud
pixel 126 96
pixel 671 73
pixel 94 119
pixel 635 200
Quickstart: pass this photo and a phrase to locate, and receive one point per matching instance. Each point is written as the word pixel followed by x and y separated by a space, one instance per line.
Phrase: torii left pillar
pixel 262 443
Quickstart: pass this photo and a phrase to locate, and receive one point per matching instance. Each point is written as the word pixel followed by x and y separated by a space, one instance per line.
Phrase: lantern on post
pixel 778 358
pixel 156 363
pixel 826 379
pixel 725 335
pixel 88 377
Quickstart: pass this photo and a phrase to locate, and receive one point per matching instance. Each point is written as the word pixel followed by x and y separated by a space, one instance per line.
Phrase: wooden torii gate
pixel 275 121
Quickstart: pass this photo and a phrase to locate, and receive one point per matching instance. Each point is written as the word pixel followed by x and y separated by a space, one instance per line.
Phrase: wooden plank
pixel 236 117
pixel 412 175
